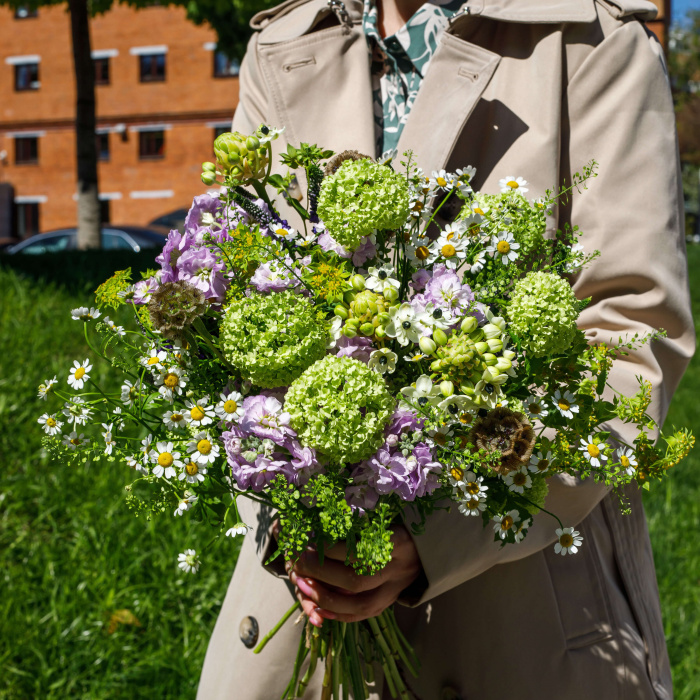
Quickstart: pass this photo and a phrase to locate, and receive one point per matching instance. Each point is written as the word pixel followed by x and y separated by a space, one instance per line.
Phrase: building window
pixel 103 146
pixel 26 219
pixel 25 12
pixel 101 71
pixel 26 150
pixel 224 129
pixel 27 76
pixel 225 67
pixel 104 211
pixel 151 145
pixel 152 67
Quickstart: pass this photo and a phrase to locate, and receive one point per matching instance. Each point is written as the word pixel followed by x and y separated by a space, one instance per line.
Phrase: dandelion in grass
pixel 518 480
pixel 78 374
pixel 628 460
pixel 170 382
pixel 238 529
pixel 174 420
pixel 108 438
pixel 188 561
pixel 513 184
pixel 51 424
pixel 565 403
pixel 154 359
pixel 593 450
pixel 165 459
pixel 77 411
pixel 202 449
pixel 505 523
pixel 82 313
pixel 540 463
pixel 569 540
pixel 199 413
pixel 230 407
pixel 45 388
pixel 74 440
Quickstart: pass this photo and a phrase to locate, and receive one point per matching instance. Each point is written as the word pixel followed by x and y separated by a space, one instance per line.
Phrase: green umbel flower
pixel 362 196
pixel 367 315
pixel 543 311
pixel 271 339
pixel 340 407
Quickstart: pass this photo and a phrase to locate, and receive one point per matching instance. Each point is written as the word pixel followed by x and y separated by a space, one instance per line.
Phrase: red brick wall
pixel 189 100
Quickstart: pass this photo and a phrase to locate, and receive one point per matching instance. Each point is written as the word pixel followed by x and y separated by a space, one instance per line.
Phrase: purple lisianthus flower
pixel 143 290
pixel 303 463
pixel 419 279
pixel 258 475
pixel 200 268
pixel 174 247
pixel 365 251
pixel 274 277
pixel 265 417
pixel 330 245
pixel 359 348
pixel 404 420
pixel 203 204
pixel 446 291
pixel 361 498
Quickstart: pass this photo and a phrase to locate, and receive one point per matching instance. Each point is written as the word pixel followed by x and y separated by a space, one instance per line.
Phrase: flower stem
pixel 276 628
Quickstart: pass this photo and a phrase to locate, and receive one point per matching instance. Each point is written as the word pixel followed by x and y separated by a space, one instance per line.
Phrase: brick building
pixel 163 93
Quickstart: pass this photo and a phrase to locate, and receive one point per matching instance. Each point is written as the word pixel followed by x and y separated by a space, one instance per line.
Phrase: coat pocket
pixel 579 591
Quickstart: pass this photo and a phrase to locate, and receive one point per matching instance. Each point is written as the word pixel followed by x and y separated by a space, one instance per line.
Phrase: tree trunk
pixel 85 122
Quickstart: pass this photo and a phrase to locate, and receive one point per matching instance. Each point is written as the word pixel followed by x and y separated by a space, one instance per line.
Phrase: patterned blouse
pixel 399 63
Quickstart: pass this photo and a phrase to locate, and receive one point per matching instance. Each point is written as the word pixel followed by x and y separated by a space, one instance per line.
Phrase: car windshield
pixel 51 244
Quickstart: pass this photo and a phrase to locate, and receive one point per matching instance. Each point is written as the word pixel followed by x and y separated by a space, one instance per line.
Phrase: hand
pixel 334 591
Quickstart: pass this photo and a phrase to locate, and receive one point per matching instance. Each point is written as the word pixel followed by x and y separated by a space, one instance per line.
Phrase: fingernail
pixel 325 613
pixel 316 621
pixel 304 587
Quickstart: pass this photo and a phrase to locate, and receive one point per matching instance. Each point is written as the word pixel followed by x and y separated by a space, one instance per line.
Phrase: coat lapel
pixel 457 76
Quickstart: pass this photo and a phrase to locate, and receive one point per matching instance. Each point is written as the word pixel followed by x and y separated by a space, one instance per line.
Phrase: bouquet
pixel 355 370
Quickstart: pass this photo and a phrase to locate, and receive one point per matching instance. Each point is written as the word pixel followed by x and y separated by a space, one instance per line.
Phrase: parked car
pixel 113 238
pixel 172 220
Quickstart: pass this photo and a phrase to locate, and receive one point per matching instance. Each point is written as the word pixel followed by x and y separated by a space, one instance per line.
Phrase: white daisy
pixel 464 177
pixel 134 463
pixel 423 391
pixel 379 278
pixel 503 246
pixel 199 413
pixel 565 403
pixel 188 561
pixel 146 448
pixel 238 529
pixel 628 460
pixel 154 359
pixel 472 506
pixel 73 441
pixel 540 463
pixel 535 408
pixel 442 436
pixel 202 449
pixel 78 374
pixel 118 418
pixel 593 450
pixel 170 382
pixel 473 486
pixel 404 324
pixel 521 530
pixel 77 411
pixel 45 388
pixel 480 208
pixel 442 180
pixel 193 472
pixel 108 438
pixel 417 250
pixel 84 314
pixel 451 248
pixel 506 523
pixel 185 503
pixel 518 480
pixel 118 330
pixel 52 426
pixel 569 541
pixel 230 408
pixel 286 233
pixel 131 393
pixel 166 459
pixel 513 184
pixel 478 263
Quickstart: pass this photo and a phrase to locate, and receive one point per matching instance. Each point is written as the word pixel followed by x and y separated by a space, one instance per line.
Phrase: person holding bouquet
pixel 534 89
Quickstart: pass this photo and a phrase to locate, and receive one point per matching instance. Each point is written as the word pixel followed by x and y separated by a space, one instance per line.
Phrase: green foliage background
pixel 73 559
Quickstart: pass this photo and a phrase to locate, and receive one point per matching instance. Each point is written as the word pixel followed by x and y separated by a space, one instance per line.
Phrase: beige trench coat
pixel 517 87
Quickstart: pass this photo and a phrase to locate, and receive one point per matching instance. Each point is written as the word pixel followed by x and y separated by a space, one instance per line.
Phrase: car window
pixel 52 244
pixel 115 241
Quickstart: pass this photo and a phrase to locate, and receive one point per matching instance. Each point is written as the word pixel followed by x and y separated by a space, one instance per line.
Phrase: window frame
pixel 99 136
pixel 145 152
pixel 33 158
pixel 152 76
pixel 215 65
pixel 34 217
pixel 101 79
pixel 32 85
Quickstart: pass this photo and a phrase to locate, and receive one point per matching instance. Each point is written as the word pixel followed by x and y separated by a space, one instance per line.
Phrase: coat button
pixel 248 631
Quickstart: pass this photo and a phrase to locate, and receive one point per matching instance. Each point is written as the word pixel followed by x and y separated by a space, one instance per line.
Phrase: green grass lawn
pixel 73 558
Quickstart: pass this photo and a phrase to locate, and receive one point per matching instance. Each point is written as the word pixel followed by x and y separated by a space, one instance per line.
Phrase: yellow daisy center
pixel 593 451
pixel 473 504
pixel 51 422
pixel 506 523
pixel 79 373
pixel 439 438
pixel 624 460
pixel 566 540
pixel 176 417
pixel 153 360
pixel 191 468
pixel 171 380
pixel 448 250
pixel 535 408
pixel 457 473
pixel 282 232
pixel 564 405
pixel 472 488
pixel 204 447
pixel 479 211
pixel 230 406
pixel 196 413
pixel 543 465
pixel 441 181
pixel 76 441
pixel 165 459
pixel 520 479
pixel 422 253
pixel 503 247
pixel 513 184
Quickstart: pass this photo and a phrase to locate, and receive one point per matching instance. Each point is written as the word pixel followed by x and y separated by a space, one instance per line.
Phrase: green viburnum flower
pixel 362 196
pixel 340 407
pixel 271 339
pixel 537 494
pixel 542 312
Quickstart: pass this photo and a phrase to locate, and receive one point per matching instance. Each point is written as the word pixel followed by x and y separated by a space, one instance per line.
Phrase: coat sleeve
pixel 618 110
pixel 252 100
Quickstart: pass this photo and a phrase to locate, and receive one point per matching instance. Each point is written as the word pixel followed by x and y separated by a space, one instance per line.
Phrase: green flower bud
pixel 503 365
pixel 436 365
pixel 341 312
pixel 349 331
pixel 357 282
pixel 352 323
pixel 380 333
pixel 495 344
pixel 367 328
pixel 509 354
pixel 477 335
pixel 469 324
pixel 252 143
pixel 427 345
pixel 383 318
pixel 447 388
pixel 490 359
pixel 207 165
pixel 439 336
pixel 349 297
pixel 391 294
pixel 481 347
pixel 491 331
pixel 208 177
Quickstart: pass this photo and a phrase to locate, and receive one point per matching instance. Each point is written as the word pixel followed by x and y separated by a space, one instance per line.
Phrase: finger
pixel 363 605
pixel 310 609
pixel 337 574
